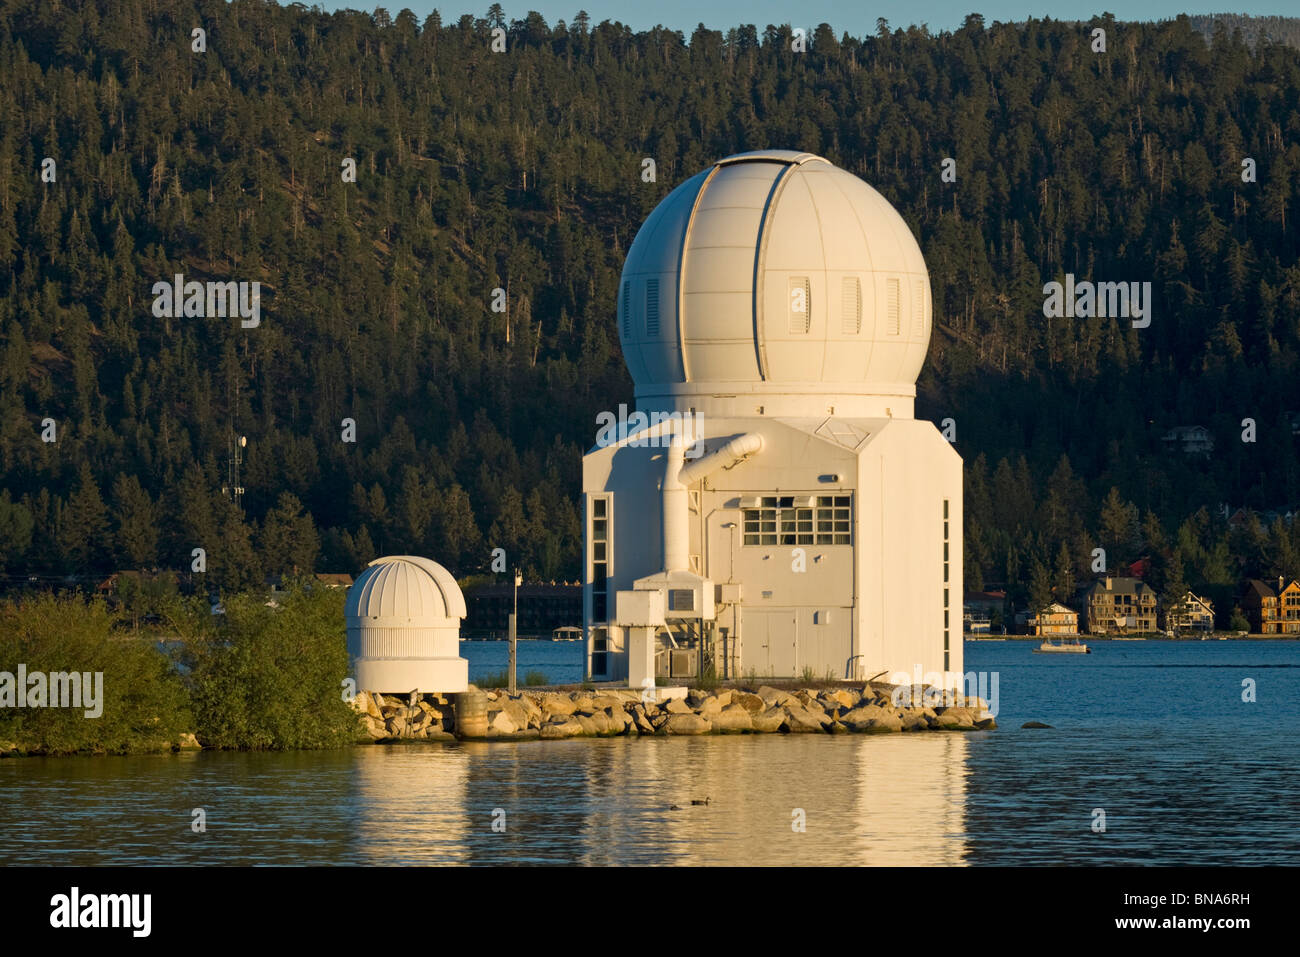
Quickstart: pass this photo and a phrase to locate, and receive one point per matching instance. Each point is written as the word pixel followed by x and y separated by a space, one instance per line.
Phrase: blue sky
pixel 854 16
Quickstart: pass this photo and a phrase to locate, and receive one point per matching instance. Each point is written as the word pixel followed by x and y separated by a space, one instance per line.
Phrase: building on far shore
pixel 1288 606
pixel 1119 606
pixel 1259 605
pixel 1054 621
pixel 983 612
pixel 543 608
pixel 1192 613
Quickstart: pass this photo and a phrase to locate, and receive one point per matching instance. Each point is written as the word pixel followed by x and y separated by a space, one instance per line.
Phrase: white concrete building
pixel 403 617
pixel 773 506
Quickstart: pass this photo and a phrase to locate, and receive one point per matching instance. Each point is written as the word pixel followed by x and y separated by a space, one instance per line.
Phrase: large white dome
pixel 774 273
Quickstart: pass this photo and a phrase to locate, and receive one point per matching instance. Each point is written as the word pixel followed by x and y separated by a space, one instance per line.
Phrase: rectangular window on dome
pixel 652 307
pixel 627 309
pixel 891 307
pixel 851 305
pixel 800 300
pixel 918 309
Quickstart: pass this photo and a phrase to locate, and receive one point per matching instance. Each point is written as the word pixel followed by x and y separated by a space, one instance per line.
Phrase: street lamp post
pixel 514 631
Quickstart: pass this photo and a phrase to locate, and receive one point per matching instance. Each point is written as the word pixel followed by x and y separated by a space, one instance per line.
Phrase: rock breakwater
pixel 551 715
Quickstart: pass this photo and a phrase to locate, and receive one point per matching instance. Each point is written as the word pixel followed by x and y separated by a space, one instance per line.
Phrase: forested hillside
pixel 521 170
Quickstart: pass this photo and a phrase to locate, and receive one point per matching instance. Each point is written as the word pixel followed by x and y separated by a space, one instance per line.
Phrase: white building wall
pixel 898 477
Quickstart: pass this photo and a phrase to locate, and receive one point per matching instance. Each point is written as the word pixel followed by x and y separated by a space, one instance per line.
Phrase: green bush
pixel 536 678
pixel 272 678
pixel 144 702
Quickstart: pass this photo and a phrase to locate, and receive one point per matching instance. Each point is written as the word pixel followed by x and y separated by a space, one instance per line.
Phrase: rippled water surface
pixel 1154 734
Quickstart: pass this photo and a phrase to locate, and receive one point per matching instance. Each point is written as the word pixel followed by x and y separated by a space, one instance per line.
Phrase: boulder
pixel 732 719
pixel 528 706
pixel 863 714
pixel 955 718
pixel 687 724
pixel 914 720
pixel 677 706
pixel 986 724
pixel 750 702
pixel 587 723
pixel 501 722
pixel 564 727
pixel 768 721
pixel 774 696
pixel 375 727
pixel 619 720
pixel 809 699
pixel 640 720
pixel 516 710
pixel 710 706
pixel 603 701
pixel 188 742
pixel 557 704
pixel 802 721
pixel 1035 724
pixel 843 697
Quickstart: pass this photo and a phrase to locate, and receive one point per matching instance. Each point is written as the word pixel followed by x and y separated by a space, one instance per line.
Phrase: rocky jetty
pixel 551 715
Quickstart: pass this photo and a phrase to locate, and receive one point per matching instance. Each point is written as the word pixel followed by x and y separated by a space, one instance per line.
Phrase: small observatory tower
pixel 772 506
pixel 403 616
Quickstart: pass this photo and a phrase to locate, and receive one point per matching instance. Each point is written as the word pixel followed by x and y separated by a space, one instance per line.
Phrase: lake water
pixel 1154 734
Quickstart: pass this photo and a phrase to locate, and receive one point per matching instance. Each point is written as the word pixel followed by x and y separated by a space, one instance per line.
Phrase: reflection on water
pixel 877 800
pixel 882 799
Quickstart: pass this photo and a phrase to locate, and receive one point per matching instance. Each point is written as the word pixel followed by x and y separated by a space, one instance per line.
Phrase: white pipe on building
pixel 676 517
pixel 738 448
pixel 677 476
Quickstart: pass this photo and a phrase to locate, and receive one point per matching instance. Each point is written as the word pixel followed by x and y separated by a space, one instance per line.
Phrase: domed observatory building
pixel 772 506
pixel 403 617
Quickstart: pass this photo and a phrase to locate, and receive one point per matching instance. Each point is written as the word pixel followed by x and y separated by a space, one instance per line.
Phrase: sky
pixel 853 16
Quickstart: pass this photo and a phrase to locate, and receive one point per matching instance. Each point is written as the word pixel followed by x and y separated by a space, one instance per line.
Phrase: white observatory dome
pixel 403 617
pixel 777 277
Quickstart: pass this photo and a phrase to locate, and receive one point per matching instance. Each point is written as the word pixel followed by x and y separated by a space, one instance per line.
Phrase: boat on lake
pixel 1068 646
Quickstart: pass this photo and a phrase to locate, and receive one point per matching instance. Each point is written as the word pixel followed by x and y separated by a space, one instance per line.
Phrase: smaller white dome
pixel 403 614
pixel 406 589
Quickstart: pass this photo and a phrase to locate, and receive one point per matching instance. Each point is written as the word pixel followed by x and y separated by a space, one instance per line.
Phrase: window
pixel 599 539
pixel 681 599
pixel 652 308
pixel 850 306
pixel 800 304
pixel 891 306
pixel 599 652
pixel 816 520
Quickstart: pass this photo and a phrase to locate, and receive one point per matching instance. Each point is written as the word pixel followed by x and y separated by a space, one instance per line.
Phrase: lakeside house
pixel 1272 610
pixel 1056 620
pixel 1119 606
pixel 1192 613
pixel 1288 607
pixel 980 608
